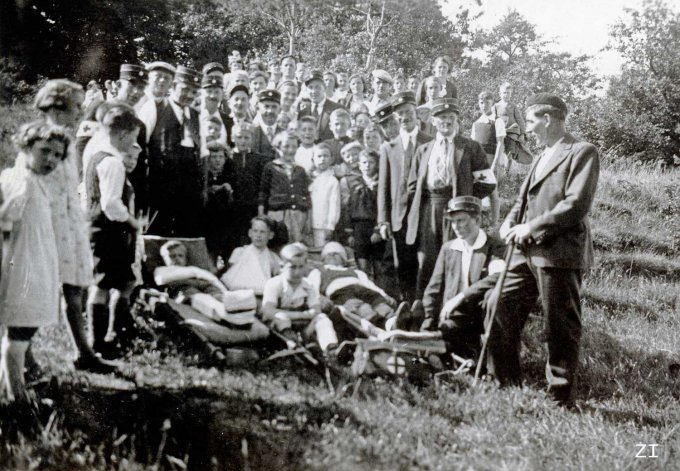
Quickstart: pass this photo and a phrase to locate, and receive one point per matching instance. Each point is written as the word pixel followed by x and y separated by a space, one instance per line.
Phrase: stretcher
pixel 217 338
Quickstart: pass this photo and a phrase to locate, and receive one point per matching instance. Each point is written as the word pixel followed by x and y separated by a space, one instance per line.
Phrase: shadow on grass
pixel 611 372
pixel 643 264
pixel 612 304
pixel 215 431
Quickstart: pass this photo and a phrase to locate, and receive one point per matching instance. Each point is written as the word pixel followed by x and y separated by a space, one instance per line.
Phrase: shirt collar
pixel 440 139
pixel 109 149
pixel 461 245
pixel 407 137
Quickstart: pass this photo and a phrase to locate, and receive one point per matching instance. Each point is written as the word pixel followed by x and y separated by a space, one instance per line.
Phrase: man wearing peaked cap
pixel 264 124
pixel 213 69
pixel 212 95
pixel 321 107
pixel 471 256
pixel 448 166
pixel 549 225
pixel 396 157
pixel 175 169
pixel 382 89
pixel 384 117
pixel 160 76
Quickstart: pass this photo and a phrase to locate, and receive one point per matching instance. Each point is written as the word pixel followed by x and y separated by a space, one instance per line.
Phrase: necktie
pixel 442 164
pixel 270 133
pixel 160 106
pixel 408 156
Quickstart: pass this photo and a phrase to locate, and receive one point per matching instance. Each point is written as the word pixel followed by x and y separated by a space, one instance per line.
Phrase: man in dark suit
pixel 175 170
pixel 264 124
pixel 212 95
pixel 396 157
pixel 549 224
pixel 448 166
pixel 321 107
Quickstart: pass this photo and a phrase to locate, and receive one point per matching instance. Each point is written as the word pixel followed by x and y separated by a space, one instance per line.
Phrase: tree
pixel 512 37
pixel 374 25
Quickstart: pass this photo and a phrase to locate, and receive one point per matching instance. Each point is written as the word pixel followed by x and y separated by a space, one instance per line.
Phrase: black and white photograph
pixel 339 235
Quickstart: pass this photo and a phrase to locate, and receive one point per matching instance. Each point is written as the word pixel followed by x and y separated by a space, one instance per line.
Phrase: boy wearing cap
pixel 322 107
pixel 382 90
pixel 396 158
pixel 238 96
pixel 462 261
pixel 549 225
pixel 448 166
pixel 175 172
pixel 264 124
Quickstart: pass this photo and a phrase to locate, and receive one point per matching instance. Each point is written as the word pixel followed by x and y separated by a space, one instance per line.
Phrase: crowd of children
pixel 307 161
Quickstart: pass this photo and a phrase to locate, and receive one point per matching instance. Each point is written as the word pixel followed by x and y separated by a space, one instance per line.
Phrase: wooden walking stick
pixel 488 321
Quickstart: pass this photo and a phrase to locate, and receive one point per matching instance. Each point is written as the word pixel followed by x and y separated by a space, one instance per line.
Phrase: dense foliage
pixel 638 114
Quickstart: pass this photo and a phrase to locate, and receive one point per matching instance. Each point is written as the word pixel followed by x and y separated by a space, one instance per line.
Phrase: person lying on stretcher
pixel 202 289
pixel 351 290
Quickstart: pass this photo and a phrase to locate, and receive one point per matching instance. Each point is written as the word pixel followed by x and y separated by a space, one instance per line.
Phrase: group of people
pixel 304 161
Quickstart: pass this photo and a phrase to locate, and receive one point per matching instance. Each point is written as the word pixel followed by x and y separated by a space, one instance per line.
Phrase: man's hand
pixel 385 231
pixel 519 234
pixel 449 307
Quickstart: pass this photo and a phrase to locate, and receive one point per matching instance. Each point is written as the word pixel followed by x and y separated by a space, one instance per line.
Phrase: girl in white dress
pixel 29 287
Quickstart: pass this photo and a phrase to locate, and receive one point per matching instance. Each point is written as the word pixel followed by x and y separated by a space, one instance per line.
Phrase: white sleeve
pixel 111 173
pixel 314 279
pixel 333 205
pixel 500 127
pixel 13 196
pixel 366 281
pixel 270 294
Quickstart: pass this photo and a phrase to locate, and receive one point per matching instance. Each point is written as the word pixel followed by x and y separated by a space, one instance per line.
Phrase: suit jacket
pixel 393 173
pixel 323 131
pixel 261 144
pixel 556 204
pixel 468 157
pixel 446 281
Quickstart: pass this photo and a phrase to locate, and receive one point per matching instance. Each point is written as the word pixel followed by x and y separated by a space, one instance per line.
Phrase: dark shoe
pixel 403 317
pixel 94 364
pixel 417 315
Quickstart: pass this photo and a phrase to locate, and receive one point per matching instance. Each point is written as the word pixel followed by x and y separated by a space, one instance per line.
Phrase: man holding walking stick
pixel 549 226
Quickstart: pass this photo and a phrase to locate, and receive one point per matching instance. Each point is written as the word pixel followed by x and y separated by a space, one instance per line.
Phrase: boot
pixel 417 315
pixel 99 313
pixel 123 324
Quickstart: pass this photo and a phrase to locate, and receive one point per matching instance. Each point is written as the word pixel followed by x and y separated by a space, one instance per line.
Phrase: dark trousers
pixel 559 292
pixel 430 235
pixel 405 276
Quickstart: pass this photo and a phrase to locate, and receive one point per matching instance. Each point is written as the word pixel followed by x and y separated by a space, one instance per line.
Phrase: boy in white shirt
pixel 325 195
pixel 252 265
pixel 304 156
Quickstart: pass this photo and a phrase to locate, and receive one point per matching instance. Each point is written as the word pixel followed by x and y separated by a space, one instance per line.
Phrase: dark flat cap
pixel 403 98
pixel 211 82
pixel 188 76
pixel 469 204
pixel 383 113
pixel 211 67
pixel 314 75
pixel 548 99
pixel 269 95
pixel 133 73
pixel 445 105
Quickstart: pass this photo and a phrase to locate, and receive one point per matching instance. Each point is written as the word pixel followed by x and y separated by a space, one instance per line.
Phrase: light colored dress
pixel 68 221
pixel 29 286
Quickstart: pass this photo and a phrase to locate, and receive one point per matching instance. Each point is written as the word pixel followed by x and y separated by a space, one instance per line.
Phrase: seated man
pixel 252 265
pixel 202 289
pixel 291 304
pixel 352 290
pixel 462 262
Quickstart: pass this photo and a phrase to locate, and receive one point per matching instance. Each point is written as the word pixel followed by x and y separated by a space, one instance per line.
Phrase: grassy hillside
pixel 283 416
